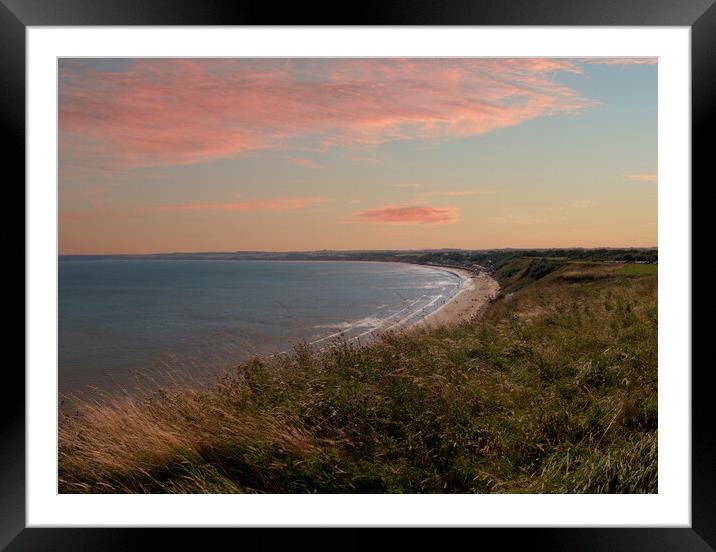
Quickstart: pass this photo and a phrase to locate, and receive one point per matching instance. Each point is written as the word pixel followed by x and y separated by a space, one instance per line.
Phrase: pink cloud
pixel 182 111
pixel 277 204
pixel 409 215
pixel 305 163
pixel 642 177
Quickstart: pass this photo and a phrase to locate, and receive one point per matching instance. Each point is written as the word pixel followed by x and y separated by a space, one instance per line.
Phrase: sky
pixel 197 155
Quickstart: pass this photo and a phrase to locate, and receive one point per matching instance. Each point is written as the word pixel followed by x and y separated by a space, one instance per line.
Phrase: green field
pixel 554 390
pixel 638 269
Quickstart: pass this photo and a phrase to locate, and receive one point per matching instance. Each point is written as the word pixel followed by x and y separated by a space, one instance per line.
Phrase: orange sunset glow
pixel 166 155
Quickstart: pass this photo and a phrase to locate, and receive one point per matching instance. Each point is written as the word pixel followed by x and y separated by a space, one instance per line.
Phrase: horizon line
pixel 244 251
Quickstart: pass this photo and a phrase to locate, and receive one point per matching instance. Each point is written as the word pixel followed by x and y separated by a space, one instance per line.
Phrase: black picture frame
pixel 17 15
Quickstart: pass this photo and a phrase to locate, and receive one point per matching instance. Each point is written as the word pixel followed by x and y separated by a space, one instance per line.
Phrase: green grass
pixel 638 269
pixel 554 390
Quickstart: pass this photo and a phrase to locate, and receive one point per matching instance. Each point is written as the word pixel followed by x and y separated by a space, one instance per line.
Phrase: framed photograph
pixel 424 268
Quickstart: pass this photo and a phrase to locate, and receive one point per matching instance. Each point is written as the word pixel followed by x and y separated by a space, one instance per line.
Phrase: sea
pixel 123 321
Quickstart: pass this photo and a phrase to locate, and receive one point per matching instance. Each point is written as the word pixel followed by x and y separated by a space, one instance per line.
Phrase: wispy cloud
pixel 642 177
pixel 184 111
pixel 409 215
pixel 305 163
pixel 276 204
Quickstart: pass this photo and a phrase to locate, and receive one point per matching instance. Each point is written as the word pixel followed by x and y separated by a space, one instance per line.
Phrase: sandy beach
pixel 476 291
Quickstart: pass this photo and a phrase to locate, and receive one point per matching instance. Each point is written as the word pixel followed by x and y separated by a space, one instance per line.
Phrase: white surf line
pixel 464 281
pixel 341 332
pixel 412 314
pixel 357 324
pixel 375 327
pixel 382 328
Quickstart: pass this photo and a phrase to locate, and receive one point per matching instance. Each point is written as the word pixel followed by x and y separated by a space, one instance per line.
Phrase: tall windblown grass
pixel 553 390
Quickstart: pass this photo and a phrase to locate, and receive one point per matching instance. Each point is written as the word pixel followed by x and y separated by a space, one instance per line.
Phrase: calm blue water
pixel 117 317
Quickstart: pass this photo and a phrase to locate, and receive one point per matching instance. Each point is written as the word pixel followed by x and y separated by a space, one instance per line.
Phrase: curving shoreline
pixel 477 291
